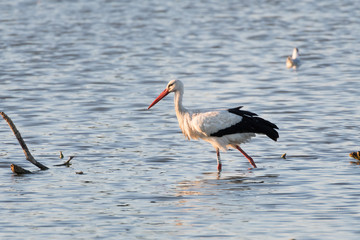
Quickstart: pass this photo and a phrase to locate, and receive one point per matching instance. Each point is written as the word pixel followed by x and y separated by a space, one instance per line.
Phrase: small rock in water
pixel 355 155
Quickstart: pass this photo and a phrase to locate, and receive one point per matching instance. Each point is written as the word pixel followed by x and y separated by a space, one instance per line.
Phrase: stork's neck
pixel 179 108
pixel 183 115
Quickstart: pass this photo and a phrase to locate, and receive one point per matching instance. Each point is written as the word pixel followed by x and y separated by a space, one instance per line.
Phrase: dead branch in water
pixel 22 143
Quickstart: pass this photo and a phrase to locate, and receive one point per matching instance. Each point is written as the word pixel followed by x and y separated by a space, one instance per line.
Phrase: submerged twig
pixel 22 143
pixel 67 163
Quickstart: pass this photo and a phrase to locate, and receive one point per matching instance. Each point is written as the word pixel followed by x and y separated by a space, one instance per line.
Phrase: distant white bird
pixel 294 60
pixel 221 128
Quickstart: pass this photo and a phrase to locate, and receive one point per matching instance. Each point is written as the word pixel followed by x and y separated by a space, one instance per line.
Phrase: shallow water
pixel 78 76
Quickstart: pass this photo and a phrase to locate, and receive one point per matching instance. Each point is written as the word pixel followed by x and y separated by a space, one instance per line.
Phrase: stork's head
pixel 172 86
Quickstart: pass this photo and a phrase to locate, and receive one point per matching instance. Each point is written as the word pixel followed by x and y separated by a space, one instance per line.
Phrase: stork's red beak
pixel 161 96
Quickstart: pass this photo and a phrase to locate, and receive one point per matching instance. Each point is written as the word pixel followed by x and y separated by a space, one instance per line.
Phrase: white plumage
pixel 221 128
pixel 294 60
pixel 197 124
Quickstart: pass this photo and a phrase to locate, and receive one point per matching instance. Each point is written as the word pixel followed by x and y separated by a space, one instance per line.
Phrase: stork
pixel 294 60
pixel 222 128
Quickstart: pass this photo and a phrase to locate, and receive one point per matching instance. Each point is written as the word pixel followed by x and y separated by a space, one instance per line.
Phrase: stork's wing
pixel 208 123
pixel 232 121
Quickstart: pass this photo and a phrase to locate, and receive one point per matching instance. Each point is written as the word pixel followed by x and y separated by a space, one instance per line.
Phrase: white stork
pixel 221 128
pixel 294 60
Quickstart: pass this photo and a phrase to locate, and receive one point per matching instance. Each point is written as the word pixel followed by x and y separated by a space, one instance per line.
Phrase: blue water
pixel 78 76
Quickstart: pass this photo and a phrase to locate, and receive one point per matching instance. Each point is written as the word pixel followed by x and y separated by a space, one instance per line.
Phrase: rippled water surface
pixel 78 76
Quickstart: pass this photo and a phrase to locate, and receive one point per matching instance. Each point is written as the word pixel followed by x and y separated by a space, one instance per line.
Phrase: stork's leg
pixel 218 160
pixel 247 156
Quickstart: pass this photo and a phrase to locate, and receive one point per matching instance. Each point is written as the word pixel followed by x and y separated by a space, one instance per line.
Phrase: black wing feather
pixel 250 123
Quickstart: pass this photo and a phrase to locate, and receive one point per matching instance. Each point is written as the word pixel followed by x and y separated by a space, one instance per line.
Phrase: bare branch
pixel 22 143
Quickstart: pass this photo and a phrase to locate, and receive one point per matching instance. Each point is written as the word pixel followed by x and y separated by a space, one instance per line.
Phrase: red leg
pixel 218 160
pixel 247 156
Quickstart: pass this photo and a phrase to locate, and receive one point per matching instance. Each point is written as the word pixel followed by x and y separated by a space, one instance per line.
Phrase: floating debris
pixel 61 155
pixel 355 155
pixel 81 172
pixel 283 156
pixel 67 163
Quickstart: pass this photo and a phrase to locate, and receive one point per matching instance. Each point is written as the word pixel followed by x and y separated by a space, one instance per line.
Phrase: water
pixel 77 77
